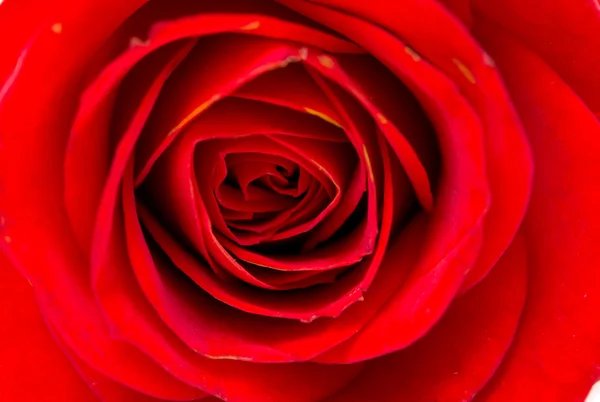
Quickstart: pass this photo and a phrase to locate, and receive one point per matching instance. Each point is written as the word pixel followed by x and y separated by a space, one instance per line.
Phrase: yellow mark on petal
pixel 382 119
pixel 135 41
pixel 303 53
pixel 57 28
pixel 488 61
pixel 309 320
pixel 7 239
pixel 30 284
pixel 326 61
pixel 229 357
pixel 464 70
pixel 251 26
pixel 288 60
pixel 368 162
pixel 194 114
pixel 294 58
pixel 360 299
pixel 322 116
pixel 414 55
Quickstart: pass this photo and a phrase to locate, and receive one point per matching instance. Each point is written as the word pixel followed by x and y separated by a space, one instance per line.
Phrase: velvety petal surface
pixel 53 62
pixel 556 351
pixel 564 33
pixel 146 263
pixel 32 366
pixel 459 355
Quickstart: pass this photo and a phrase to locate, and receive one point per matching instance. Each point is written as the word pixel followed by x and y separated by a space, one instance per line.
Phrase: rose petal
pixel 461 10
pixel 286 336
pixel 404 151
pixel 456 224
pixel 133 122
pixel 556 351
pixel 280 124
pixel 291 87
pixel 381 91
pixel 31 365
pixel 176 199
pixel 87 152
pixel 241 297
pixel 448 45
pixel 364 139
pixel 88 158
pixel 563 33
pixel 228 377
pixel 457 357
pixel 104 388
pixel 33 199
pixel 218 85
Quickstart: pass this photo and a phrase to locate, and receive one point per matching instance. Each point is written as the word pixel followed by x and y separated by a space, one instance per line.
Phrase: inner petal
pixel 198 85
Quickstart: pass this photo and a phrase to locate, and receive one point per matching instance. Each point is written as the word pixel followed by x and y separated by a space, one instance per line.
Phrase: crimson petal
pixel 60 280
pixel 459 355
pixel 463 194
pixel 555 353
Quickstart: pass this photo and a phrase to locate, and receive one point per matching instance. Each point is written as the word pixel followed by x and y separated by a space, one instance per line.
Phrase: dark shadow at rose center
pixel 283 181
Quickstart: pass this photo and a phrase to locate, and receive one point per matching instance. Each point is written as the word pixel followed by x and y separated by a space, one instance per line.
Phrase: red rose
pixel 299 200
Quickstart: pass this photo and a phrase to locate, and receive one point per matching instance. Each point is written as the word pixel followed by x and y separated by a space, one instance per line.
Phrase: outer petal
pixel 565 33
pixel 18 29
pixel 458 356
pixel 31 204
pixel 450 47
pixel 556 355
pixel 31 364
pixel 455 229
pixel 461 10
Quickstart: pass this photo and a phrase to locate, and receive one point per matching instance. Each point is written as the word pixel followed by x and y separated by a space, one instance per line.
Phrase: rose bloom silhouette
pixel 298 201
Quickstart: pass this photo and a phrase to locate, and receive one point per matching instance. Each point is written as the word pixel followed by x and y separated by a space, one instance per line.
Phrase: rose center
pixel 260 193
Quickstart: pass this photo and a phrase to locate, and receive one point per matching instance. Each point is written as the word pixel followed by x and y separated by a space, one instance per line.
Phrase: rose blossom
pixel 299 200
